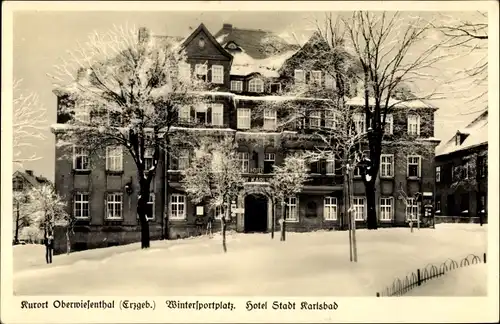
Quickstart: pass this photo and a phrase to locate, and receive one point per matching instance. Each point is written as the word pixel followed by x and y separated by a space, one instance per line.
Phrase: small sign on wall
pixel 199 210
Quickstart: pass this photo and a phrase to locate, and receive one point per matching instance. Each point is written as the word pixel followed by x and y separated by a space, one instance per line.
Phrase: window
pixel 177 206
pixel 275 87
pixel 269 119
pixel 389 124
pixel 386 165
pixel 184 113
pixel 438 174
pixel 82 112
pixel 217 74
pixel 412 209
pixel 414 166
pixel 184 71
pixel 291 210
pixel 467 170
pixel 330 165
pixel 386 209
pixel 237 86
pixel 201 113
pixel 330 119
pixel 316 77
pixel 330 208
pixel 315 119
pixel 114 158
pixel 114 206
pixel 218 212
pixel 243 115
pixel 359 208
pixel 269 162
pixel 413 125
pixel 150 211
pixel 201 71
pixel 256 85
pixel 481 166
pixel 359 123
pixel 80 158
pixel 481 203
pixel 299 76
pixel 183 159
pixel 217 114
pixel 357 171
pixel 438 204
pixel 329 81
pixel 244 158
pixel 115 117
pixel 81 205
pixel 17 184
pixel 148 158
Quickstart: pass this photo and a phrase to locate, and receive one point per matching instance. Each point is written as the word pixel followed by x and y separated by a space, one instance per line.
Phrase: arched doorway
pixel 255 213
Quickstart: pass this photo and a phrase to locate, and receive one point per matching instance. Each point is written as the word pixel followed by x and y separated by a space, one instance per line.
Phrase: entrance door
pixel 255 213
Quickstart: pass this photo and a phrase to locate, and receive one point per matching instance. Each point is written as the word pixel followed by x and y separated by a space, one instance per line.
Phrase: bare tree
pixel 214 176
pixel 386 47
pixel 20 199
pixel 466 37
pixel 28 122
pixel 127 97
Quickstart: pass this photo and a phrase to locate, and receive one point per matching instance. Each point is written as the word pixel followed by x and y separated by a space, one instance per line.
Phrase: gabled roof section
pixel 198 30
pixel 32 180
pixel 477 131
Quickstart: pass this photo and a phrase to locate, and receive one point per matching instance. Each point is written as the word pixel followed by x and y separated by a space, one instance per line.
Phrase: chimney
pixel 227 26
pixel 143 34
pixel 30 172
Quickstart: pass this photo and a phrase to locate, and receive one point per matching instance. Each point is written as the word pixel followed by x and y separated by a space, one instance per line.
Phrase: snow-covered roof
pixel 244 64
pixel 360 101
pixel 478 135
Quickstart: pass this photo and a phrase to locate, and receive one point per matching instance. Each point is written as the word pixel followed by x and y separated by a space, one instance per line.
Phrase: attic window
pixel 232 46
pixel 256 85
pixel 201 42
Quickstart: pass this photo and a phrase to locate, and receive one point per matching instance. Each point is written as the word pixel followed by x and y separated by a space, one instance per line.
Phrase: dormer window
pixel 256 85
pixel 232 46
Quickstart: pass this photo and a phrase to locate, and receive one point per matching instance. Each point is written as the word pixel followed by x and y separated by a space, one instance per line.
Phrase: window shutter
pixel 322 166
pixel 209 114
pixel 418 124
pixel 192 113
pixel 419 166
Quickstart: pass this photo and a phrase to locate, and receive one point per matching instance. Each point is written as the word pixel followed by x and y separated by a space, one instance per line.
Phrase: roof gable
pixel 202 33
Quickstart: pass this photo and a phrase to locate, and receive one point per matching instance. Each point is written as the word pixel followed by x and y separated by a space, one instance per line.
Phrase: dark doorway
pixel 255 213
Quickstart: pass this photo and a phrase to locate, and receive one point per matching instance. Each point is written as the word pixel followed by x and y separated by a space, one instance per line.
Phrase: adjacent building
pixel 249 67
pixel 462 174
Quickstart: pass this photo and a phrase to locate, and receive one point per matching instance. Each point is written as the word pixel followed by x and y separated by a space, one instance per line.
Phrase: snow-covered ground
pixel 307 264
pixel 468 281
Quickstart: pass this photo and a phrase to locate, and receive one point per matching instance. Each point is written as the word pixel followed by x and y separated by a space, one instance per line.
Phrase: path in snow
pixel 306 264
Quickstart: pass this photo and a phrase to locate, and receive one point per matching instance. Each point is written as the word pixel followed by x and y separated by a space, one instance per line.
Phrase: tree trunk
pixel 371 217
pixel 16 237
pixel 347 215
pixel 68 242
pixel 352 221
pixel 273 218
pixel 141 211
pixel 223 225
pixel 166 233
pixel 283 222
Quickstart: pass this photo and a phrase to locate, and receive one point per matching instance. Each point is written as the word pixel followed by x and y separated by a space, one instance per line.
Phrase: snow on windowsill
pixel 437 212
pixel 465 211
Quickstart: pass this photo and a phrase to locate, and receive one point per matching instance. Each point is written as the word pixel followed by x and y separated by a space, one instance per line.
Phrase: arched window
pixel 256 85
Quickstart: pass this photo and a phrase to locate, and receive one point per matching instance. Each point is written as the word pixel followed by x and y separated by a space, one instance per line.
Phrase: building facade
pixel 462 174
pixel 249 68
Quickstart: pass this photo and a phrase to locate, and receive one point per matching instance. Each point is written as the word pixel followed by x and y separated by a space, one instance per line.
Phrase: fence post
pixel 378 294
pixel 419 282
pixel 484 257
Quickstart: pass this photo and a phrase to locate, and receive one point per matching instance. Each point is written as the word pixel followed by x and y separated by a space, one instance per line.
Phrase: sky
pixel 42 38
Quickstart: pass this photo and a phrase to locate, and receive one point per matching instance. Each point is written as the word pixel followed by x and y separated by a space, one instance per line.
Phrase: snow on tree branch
pixel 28 123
